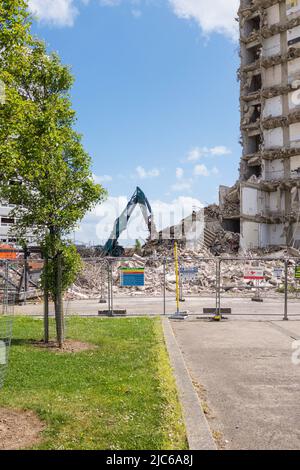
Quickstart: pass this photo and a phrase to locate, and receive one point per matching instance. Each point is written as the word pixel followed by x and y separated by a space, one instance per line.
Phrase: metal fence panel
pixel 258 287
pixel 206 286
pixel 7 299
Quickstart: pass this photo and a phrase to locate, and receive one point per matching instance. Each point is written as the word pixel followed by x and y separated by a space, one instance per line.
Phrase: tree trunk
pixel 56 256
pixel 59 314
pixel 46 303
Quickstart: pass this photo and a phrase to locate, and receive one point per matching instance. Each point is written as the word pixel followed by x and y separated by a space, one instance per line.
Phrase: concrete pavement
pixel 245 377
pixel 271 308
pixel 197 429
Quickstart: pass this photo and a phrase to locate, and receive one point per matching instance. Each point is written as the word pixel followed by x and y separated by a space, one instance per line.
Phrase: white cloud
pixel 217 16
pixel 98 224
pixel 201 170
pixel 179 173
pixel 220 150
pixel 143 174
pixel 198 152
pixel 170 213
pixel 136 13
pixel 135 5
pixel 181 186
pixel 212 16
pixel 58 12
pixel 102 179
pixel 110 3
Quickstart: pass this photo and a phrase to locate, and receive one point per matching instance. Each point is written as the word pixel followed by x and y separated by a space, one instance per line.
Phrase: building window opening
pixel 7 221
pixel 256 83
pixel 254 144
pixel 252 54
pixel 252 25
pixel 254 171
pixel 256 115
pixel 232 225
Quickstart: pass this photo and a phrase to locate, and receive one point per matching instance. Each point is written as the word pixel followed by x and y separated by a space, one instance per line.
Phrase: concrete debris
pixel 157 258
pixel 92 282
pixel 254 179
pixel 225 242
pixel 230 201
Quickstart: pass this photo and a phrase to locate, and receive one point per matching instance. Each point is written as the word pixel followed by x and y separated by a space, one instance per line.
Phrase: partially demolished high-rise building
pixel 270 123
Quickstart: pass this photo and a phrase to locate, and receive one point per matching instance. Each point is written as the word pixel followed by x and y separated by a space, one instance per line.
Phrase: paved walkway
pixel 241 307
pixel 245 377
pixel 197 429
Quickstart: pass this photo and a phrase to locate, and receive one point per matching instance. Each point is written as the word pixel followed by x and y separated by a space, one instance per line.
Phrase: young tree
pixel 14 29
pixel 14 41
pixel 45 169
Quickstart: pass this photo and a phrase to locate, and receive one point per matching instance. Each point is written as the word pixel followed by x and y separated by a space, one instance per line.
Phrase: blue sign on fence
pixel 132 277
pixel 189 274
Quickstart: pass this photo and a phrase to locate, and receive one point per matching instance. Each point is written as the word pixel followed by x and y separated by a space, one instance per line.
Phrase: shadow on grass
pixel 69 345
pixel 25 342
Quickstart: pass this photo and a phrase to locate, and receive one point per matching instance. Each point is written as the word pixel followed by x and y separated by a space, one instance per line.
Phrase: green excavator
pixel 112 247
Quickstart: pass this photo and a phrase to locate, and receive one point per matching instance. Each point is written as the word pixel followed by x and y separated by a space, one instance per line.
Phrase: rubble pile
pixel 230 205
pixel 93 277
pixel 212 212
pixel 92 282
pixel 225 242
pixel 221 240
pixel 156 256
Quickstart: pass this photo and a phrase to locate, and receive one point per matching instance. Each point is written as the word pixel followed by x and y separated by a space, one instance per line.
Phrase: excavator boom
pixel 111 247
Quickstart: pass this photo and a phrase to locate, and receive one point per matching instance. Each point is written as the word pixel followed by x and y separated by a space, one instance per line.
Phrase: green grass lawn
pixel 119 396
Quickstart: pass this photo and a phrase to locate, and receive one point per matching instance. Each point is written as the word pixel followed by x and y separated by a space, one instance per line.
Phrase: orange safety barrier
pixel 8 252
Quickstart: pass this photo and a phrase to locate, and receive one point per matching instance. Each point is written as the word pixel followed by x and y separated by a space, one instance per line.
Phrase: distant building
pixel 6 223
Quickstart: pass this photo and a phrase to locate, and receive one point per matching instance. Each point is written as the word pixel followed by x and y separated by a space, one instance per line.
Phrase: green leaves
pixel 40 150
pixel 71 265
pixel 15 23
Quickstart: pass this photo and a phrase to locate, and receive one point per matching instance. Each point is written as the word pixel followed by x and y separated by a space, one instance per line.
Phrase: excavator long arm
pixel 111 247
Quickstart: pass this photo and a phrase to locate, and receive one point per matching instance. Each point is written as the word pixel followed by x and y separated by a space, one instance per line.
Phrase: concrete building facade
pixel 6 223
pixel 270 123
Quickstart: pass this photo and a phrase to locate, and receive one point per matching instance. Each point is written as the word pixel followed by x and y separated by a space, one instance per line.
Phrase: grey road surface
pixel 244 373
pixel 271 308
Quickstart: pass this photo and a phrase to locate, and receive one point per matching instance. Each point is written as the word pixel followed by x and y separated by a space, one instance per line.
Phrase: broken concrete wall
pixel 270 118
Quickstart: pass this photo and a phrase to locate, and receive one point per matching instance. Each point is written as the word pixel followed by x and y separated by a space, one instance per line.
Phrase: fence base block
pixel 179 316
pixel 114 313
pixel 214 311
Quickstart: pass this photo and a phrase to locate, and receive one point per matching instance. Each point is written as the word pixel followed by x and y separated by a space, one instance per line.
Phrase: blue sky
pixel 156 94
